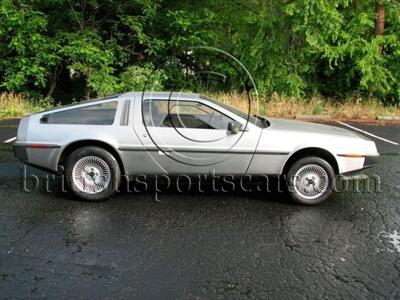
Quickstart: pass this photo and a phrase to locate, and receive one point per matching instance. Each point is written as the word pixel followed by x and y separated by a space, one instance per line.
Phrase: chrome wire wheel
pixel 311 181
pixel 91 174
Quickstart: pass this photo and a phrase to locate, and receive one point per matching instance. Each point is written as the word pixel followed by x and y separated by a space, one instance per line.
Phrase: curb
pixel 388 118
pixel 313 117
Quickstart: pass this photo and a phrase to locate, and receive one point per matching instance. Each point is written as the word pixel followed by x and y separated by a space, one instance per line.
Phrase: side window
pixel 98 114
pixel 183 114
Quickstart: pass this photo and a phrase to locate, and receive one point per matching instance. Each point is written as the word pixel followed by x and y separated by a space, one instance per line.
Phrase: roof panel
pixel 162 95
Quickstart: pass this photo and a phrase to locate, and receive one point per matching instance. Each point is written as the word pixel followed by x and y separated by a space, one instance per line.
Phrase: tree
pixel 297 48
pixel 380 18
pixel 26 52
pixel 94 40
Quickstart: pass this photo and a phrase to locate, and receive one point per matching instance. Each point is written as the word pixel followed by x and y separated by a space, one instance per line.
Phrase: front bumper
pixel 370 161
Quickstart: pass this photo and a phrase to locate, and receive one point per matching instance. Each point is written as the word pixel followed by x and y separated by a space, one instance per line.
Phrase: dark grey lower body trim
pixel 202 151
pixel 43 146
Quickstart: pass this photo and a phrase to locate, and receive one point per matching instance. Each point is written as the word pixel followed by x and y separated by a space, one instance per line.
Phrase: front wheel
pixel 310 180
pixel 92 173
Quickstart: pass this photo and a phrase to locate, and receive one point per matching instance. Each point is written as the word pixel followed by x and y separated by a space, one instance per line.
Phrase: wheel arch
pixel 93 143
pixel 311 151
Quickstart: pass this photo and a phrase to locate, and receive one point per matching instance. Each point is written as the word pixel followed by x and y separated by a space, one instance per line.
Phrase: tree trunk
pixel 379 21
pixel 380 18
pixel 53 77
pixel 87 89
pixel 52 83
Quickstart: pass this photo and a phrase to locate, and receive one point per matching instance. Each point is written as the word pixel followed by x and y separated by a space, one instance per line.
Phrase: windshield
pixel 256 120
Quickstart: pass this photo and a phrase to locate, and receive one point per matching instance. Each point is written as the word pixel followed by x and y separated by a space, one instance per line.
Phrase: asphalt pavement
pixel 209 245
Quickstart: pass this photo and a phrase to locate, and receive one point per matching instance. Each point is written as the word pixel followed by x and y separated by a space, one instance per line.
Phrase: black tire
pixel 318 186
pixel 109 172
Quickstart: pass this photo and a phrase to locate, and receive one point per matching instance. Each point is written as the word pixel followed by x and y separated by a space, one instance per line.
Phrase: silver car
pixel 98 142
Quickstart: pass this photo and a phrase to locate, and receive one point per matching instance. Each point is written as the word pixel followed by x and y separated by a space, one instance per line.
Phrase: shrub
pixel 137 78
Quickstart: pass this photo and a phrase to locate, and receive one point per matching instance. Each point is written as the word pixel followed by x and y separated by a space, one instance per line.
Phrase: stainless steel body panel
pixel 153 150
pixel 197 151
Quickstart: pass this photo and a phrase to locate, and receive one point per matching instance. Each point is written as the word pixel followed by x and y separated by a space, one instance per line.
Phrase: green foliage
pixel 136 78
pixel 318 47
pixel 296 48
pixel 25 50
pixel 87 55
pixel 318 109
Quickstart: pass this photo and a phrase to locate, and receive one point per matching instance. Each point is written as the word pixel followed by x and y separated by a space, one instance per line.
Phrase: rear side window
pixel 99 114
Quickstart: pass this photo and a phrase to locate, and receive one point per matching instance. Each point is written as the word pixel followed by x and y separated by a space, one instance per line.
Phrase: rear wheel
pixel 310 180
pixel 92 173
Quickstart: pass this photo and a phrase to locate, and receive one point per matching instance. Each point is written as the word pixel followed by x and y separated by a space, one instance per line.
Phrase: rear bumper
pixel 20 152
pixel 44 156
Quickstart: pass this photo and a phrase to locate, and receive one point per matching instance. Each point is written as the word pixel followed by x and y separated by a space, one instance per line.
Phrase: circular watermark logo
pixel 192 124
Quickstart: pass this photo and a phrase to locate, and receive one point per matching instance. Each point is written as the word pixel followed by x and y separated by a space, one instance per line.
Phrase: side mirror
pixel 234 127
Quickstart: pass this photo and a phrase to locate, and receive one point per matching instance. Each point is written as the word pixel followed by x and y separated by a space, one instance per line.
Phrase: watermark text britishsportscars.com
pixel 201 183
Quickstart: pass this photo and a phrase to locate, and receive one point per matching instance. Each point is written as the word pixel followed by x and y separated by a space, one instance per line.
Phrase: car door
pixel 192 137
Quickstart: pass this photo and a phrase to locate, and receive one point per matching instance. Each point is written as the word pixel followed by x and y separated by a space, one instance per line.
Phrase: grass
pixel 355 108
pixel 17 105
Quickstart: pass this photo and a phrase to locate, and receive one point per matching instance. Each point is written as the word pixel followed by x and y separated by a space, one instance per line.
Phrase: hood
pixel 307 127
